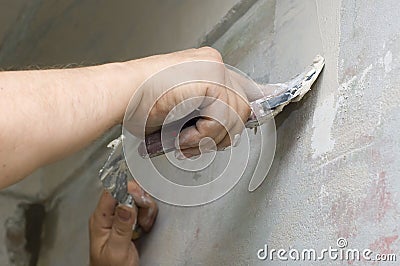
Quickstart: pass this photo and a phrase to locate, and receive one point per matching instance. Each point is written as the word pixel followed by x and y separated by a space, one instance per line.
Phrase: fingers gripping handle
pixel 263 109
pixel 163 141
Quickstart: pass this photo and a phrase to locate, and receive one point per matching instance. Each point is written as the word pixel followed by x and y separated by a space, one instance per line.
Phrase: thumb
pixel 121 231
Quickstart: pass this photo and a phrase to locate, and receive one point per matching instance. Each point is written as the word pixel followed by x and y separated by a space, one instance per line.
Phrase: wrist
pixel 120 80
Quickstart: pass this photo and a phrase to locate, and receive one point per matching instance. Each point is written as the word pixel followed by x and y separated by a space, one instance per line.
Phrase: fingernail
pixel 145 199
pixel 123 215
pixel 179 155
pixel 236 140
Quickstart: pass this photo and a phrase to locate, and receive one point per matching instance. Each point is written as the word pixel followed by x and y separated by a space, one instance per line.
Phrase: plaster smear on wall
pixel 322 140
pixel 324 116
pixel 325 113
pixel 388 61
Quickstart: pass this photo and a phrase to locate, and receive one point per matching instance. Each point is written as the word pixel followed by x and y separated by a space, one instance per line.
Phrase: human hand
pixel 110 228
pixel 222 104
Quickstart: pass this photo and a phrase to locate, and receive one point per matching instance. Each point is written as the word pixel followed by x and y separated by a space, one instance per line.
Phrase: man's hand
pixel 221 103
pixel 111 226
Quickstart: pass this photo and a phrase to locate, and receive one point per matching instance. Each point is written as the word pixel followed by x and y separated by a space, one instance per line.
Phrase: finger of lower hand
pixel 104 212
pixel 148 208
pixel 121 231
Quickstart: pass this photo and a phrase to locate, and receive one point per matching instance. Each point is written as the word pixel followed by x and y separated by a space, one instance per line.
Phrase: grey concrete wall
pixel 7 19
pixel 335 172
pixel 51 33
pixel 336 165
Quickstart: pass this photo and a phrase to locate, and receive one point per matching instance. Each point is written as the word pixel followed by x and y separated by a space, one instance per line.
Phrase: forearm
pixel 48 114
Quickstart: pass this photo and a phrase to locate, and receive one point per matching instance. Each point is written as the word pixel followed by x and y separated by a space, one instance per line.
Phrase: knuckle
pixel 207 127
pixel 213 53
pixel 120 230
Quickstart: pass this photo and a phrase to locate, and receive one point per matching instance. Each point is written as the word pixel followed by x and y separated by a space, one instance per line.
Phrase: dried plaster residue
pixel 324 116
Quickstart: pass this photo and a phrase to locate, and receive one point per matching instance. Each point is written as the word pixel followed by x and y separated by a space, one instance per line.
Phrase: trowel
pixel 262 110
pixel 115 172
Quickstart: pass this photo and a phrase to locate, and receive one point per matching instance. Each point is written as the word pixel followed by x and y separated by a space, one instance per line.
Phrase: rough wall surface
pixel 336 165
pixel 335 172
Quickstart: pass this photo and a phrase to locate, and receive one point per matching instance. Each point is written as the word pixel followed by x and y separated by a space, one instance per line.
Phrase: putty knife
pixel 114 177
pixel 115 172
pixel 262 110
